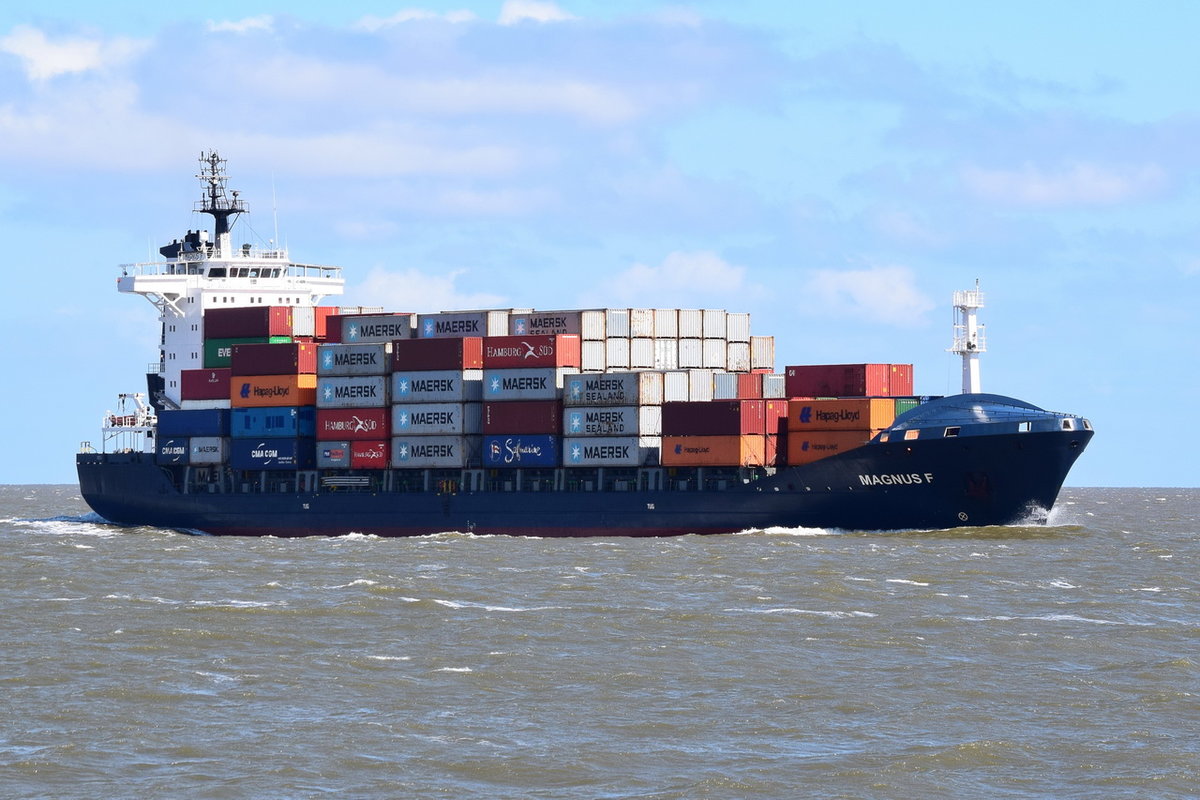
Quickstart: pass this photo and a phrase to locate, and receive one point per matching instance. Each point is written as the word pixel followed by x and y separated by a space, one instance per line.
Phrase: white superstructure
pixel 969 339
pixel 201 273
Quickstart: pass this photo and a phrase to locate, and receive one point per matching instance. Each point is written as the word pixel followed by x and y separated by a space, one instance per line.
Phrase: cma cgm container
pixel 437 386
pixel 714 451
pixel 206 422
pixel 272 422
pixel 456 324
pixel 805 447
pixel 849 380
pixel 523 352
pixel 846 413
pixel 614 389
pixel 272 454
pixel 274 359
pixel 370 454
pixel 438 354
pixel 376 328
pixel 435 452
pixel 436 418
pixel 354 359
pixel 273 390
pixel 204 384
pixel 606 451
pixel 357 424
pixel 228 323
pixel 601 421
pixel 714 418
pixel 529 416
pixel 352 391
pixel 521 450
pixel 175 450
pixel 544 383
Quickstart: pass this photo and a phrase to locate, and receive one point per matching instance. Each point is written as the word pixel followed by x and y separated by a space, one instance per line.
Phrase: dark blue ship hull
pixel 996 475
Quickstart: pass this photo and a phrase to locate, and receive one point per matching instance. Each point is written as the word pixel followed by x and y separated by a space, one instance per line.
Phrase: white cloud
pixel 1075 185
pixel 44 59
pixel 514 11
pixel 878 294
pixel 372 23
pixel 682 279
pixel 263 22
pixel 415 291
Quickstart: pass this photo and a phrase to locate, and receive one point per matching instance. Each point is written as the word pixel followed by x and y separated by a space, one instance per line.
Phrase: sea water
pixel 1011 662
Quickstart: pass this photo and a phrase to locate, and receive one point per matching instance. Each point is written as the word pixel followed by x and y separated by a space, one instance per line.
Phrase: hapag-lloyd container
pixel 438 354
pixel 714 451
pixel 204 384
pixel 614 389
pixel 522 352
pixel 207 422
pixel 846 413
pixel 208 450
pixel 436 418
pixel 357 424
pixel 714 418
pixel 352 391
pixel 274 359
pixel 272 453
pixel 437 386
pixel 544 383
pixel 585 324
pixel 272 422
pixel 376 328
pixel 273 390
pixel 521 450
pixel 805 447
pixel 454 324
pixel 530 416
pixel 435 452
pixel 354 359
pixel 606 451
pixel 333 455
pixel 247 321
pixel 370 454
pixel 601 421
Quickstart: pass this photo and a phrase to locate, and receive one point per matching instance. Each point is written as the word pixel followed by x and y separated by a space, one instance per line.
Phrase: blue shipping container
pixel 513 450
pixel 173 451
pixel 273 453
pixel 194 422
pixel 289 421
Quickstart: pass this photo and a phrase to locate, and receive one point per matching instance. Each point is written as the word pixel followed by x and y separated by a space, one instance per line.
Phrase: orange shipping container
pixel 714 451
pixel 840 414
pixel 273 390
pixel 805 447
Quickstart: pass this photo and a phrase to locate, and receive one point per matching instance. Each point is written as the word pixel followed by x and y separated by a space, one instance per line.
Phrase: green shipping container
pixel 218 352
pixel 906 404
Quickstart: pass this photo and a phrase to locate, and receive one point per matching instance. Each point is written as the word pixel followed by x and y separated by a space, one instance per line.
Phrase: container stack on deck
pixel 436 402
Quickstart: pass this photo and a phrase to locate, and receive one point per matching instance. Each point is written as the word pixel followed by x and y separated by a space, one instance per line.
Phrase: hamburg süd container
pixel 370 454
pixel 358 424
pixel 529 416
pixel 376 328
pixel 601 421
pixel 204 384
pixel 521 352
pixel 438 353
pixel 805 447
pixel 435 452
pixel 845 413
pixel 521 450
pixel 352 391
pixel 272 422
pixel 437 386
pixel 614 389
pixel 544 383
pixel 354 359
pixel 274 359
pixel 714 451
pixel 273 390
pixel 436 418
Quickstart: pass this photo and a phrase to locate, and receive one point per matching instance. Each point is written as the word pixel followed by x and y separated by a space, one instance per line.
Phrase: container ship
pixel 269 412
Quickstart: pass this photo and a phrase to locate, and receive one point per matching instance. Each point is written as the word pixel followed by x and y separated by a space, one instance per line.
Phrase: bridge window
pixel 952 431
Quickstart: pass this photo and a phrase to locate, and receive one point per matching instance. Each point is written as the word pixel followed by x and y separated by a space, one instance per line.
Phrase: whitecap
pixel 905 581
pixel 456 669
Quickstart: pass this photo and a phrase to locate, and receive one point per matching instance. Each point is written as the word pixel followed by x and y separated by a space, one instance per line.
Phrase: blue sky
pixel 838 170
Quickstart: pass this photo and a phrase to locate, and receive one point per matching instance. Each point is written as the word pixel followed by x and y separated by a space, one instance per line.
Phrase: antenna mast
pixel 969 339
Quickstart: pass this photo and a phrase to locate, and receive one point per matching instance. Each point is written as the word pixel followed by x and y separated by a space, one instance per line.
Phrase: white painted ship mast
pixel 969 340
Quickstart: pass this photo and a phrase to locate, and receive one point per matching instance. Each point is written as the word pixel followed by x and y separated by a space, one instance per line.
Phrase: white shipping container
pixel 436 452
pixel 641 323
pixel 543 383
pixel 666 323
pixel 376 328
pixel 715 354
pixel 652 449
pixel 200 405
pixel 737 326
pixel 773 387
pixel 616 352
pixel 593 355
pixel 437 386
pixel 641 353
pixel 737 357
pixel 616 323
pixel 700 384
pixel 601 421
pixel 714 323
pixel 725 386
pixel 354 359
pixel 436 418
pixel 304 321
pixel 676 386
pixel 762 352
pixel 691 353
pixel 650 420
pixel 352 391
pixel 614 389
pixel 208 450
pixel 666 354
pixel 691 323
pixel 608 451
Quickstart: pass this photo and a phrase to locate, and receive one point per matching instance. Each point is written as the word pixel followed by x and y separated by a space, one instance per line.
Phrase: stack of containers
pixel 825 427
pixel 436 386
pixel 272 394
pixel 613 419
pixel 353 419
pixel 716 433
pixel 588 325
pixel 522 387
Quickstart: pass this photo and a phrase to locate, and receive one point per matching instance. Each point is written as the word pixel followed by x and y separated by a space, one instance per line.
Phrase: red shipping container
pixel 245 321
pixel 902 380
pixel 714 418
pixel 776 416
pixel 749 386
pixel 437 354
pixel 353 424
pixel 513 352
pixel 204 384
pixel 321 315
pixel 838 380
pixel 370 454
pixel 296 358
pixel 522 417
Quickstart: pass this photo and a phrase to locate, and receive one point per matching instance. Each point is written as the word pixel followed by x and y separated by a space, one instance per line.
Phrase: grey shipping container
pixel 436 418
pixel 376 328
pixel 614 389
pixel 209 450
pixel 774 387
pixel 354 359
pixel 352 391
pixel 725 386
pixel 616 323
pixel 451 324
pixel 601 421
pixel 437 386
pixel 541 383
pixel 607 451
pixel 435 452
